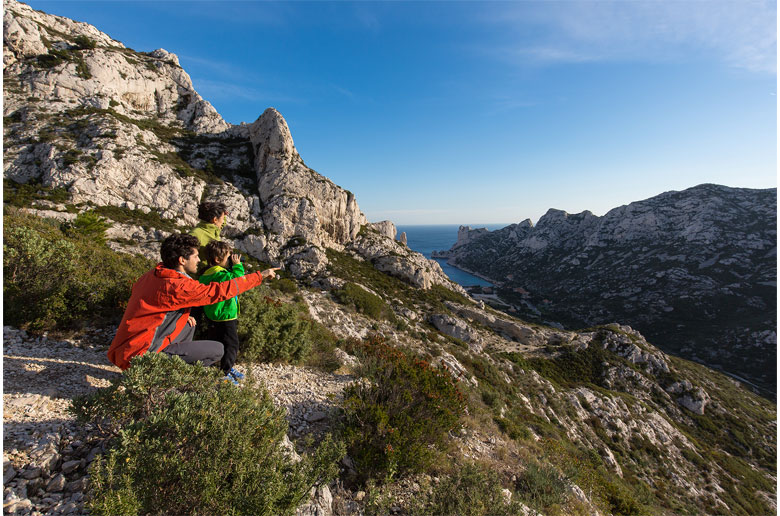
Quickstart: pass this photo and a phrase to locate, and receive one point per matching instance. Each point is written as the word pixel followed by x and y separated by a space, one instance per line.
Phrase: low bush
pixel 22 195
pixel 89 225
pixel 83 42
pixel 269 330
pixel 473 490
pixel 398 418
pixel 54 280
pixel 541 486
pixel 150 220
pixel 285 285
pixel 185 442
pixel 362 300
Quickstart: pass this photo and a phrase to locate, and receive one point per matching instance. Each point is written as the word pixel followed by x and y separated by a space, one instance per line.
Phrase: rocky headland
pixel 694 270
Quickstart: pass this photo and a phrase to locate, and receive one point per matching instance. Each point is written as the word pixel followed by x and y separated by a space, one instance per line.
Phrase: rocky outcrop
pixel 385 228
pixel 512 329
pixel 389 256
pixel 55 58
pixel 457 328
pixel 694 271
pixel 296 201
pixel 690 397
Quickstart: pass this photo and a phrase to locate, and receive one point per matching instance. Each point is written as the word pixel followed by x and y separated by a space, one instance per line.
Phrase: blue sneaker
pixel 238 375
pixel 228 378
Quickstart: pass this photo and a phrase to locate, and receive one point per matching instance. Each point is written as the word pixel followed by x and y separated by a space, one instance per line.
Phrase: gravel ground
pixel 45 453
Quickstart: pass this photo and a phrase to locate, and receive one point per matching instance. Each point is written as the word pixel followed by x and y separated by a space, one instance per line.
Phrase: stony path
pixel 45 463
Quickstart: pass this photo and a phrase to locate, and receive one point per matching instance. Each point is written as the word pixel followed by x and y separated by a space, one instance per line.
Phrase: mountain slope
pixel 695 271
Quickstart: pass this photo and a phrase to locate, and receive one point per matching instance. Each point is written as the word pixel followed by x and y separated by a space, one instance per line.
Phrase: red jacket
pixel 159 307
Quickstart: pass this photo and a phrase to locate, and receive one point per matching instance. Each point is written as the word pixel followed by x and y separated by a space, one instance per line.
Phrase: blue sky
pixel 485 112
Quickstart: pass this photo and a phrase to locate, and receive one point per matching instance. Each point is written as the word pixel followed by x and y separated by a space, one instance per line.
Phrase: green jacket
pixel 224 310
pixel 205 233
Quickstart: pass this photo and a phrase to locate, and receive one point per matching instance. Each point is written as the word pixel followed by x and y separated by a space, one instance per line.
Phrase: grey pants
pixel 207 352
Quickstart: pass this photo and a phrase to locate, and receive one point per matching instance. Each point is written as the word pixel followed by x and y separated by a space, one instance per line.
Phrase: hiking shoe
pixel 238 375
pixel 228 378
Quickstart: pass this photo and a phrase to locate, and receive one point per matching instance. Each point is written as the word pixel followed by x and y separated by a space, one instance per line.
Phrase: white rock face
pixel 525 334
pixel 385 228
pixel 692 398
pixel 297 201
pixel 457 328
pixel 107 76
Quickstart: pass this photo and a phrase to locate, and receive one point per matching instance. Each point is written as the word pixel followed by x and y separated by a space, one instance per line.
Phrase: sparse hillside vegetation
pixel 186 442
pixel 55 279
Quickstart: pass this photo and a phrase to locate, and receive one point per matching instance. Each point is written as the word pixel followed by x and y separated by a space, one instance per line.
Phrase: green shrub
pixel 269 330
pixel 22 195
pixel 621 501
pixel 53 280
pixel 84 42
pixel 398 420
pixel 52 59
pixel 472 491
pixel 541 486
pixel 35 276
pixel 89 225
pixel 71 157
pixel 362 300
pixel 152 219
pixel 323 352
pixel 185 442
pixel 285 285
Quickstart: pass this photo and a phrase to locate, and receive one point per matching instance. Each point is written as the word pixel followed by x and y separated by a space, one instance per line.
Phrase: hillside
pixel 695 271
pixel 444 405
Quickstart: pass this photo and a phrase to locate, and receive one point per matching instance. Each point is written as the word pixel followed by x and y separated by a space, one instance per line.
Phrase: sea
pixel 428 238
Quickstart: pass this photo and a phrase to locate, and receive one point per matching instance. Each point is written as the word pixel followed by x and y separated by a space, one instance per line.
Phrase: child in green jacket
pixel 223 316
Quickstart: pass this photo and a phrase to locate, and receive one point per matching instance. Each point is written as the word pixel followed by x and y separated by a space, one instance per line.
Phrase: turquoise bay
pixel 428 238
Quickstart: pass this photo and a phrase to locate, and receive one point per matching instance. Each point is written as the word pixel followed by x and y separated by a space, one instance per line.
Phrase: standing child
pixel 223 316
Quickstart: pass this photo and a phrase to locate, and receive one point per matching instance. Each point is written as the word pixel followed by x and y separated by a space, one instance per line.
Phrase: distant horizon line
pixel 504 224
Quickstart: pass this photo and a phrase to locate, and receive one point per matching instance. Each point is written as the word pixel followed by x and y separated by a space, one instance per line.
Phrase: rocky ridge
pixel 694 270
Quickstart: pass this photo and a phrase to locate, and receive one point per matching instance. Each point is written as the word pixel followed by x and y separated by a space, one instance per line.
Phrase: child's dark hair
pixel 216 250
pixel 175 246
pixel 208 211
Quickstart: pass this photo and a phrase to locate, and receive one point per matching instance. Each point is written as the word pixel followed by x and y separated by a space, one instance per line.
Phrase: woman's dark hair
pixel 177 245
pixel 208 211
pixel 216 250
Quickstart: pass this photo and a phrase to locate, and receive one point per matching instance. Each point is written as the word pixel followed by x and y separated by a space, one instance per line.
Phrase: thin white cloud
pixel 210 89
pixel 742 33
pixel 343 91
pixel 221 67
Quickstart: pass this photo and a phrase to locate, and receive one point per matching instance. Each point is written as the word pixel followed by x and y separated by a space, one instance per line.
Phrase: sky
pixel 485 112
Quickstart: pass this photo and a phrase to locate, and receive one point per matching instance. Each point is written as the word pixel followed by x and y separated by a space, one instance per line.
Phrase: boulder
pixel 457 328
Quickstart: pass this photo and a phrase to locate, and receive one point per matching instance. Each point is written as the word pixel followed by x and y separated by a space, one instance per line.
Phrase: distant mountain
pixel 694 271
